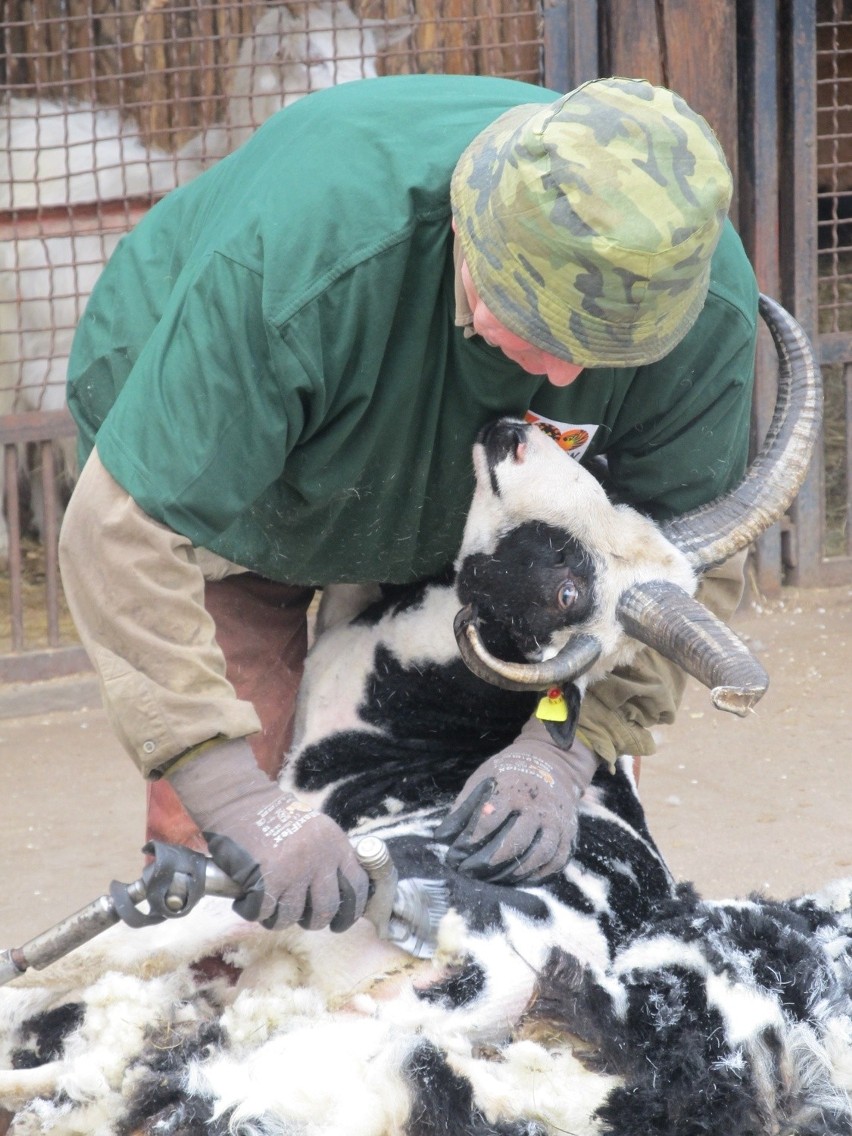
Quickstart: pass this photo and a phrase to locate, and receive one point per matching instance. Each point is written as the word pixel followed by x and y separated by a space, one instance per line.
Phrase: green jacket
pixel 270 363
pixel 271 367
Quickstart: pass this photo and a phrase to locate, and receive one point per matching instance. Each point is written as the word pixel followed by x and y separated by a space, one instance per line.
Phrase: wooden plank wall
pixel 686 46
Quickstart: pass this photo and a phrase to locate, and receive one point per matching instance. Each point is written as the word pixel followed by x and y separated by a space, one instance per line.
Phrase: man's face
pixel 531 359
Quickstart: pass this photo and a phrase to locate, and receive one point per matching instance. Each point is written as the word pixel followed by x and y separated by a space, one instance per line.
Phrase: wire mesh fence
pixel 834 256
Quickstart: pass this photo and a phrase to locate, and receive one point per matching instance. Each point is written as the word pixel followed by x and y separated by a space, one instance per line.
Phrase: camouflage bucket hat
pixel 588 224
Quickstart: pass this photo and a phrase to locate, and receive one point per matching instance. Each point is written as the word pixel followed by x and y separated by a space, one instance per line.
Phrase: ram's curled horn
pixel 663 616
pixel 666 618
pixel 714 532
pixel 575 658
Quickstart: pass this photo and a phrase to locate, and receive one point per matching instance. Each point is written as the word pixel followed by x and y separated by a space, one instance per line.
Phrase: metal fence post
pixel 757 97
pixel 571 47
pixel 798 241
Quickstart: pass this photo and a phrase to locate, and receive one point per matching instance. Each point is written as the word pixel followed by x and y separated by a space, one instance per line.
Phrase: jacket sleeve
pixel 619 712
pixel 135 590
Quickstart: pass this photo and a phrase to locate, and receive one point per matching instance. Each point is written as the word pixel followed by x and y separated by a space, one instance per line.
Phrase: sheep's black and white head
pixel 536 582
pixel 547 555
pixel 593 581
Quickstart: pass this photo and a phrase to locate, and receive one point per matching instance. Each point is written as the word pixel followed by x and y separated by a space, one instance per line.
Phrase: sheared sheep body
pixel 606 1001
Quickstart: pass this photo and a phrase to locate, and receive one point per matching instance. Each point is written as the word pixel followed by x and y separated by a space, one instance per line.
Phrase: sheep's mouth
pixel 505 438
pixel 509 637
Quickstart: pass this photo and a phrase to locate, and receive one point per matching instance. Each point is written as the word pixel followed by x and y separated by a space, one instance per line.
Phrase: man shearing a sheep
pixel 278 381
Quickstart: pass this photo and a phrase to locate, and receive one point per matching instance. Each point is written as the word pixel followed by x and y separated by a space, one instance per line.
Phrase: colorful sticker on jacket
pixel 573 438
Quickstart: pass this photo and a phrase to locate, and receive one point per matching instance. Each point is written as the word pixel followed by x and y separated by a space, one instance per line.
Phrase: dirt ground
pixel 761 804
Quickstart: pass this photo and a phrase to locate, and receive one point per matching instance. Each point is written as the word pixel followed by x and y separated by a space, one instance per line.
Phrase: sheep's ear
pixel 388 33
pixel 563 732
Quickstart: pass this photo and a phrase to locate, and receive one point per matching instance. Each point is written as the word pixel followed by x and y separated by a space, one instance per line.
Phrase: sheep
pixel 288 55
pixel 607 1000
pixel 54 154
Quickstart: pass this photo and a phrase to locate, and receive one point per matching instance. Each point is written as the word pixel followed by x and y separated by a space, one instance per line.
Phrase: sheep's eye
pixel 568 594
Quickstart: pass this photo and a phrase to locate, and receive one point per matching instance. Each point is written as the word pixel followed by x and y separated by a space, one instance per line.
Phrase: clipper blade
pixel 419 906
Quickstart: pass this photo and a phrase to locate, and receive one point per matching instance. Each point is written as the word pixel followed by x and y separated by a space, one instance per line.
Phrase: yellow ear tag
pixel 553 707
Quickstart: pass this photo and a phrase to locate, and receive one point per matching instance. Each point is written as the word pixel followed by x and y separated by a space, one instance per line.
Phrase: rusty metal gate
pixel 107 104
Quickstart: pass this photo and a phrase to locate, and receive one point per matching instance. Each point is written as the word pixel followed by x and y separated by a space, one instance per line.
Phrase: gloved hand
pixel 516 818
pixel 294 864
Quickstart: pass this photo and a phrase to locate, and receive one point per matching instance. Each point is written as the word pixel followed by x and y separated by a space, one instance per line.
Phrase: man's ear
pixel 453 223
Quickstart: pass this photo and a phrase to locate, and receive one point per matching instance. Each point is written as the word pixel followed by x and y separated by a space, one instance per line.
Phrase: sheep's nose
pixel 503 439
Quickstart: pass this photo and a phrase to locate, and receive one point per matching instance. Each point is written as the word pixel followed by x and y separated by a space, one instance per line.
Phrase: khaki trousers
pixel 262 630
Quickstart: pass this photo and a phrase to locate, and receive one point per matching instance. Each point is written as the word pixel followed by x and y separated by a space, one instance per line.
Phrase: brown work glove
pixel 295 865
pixel 516 818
